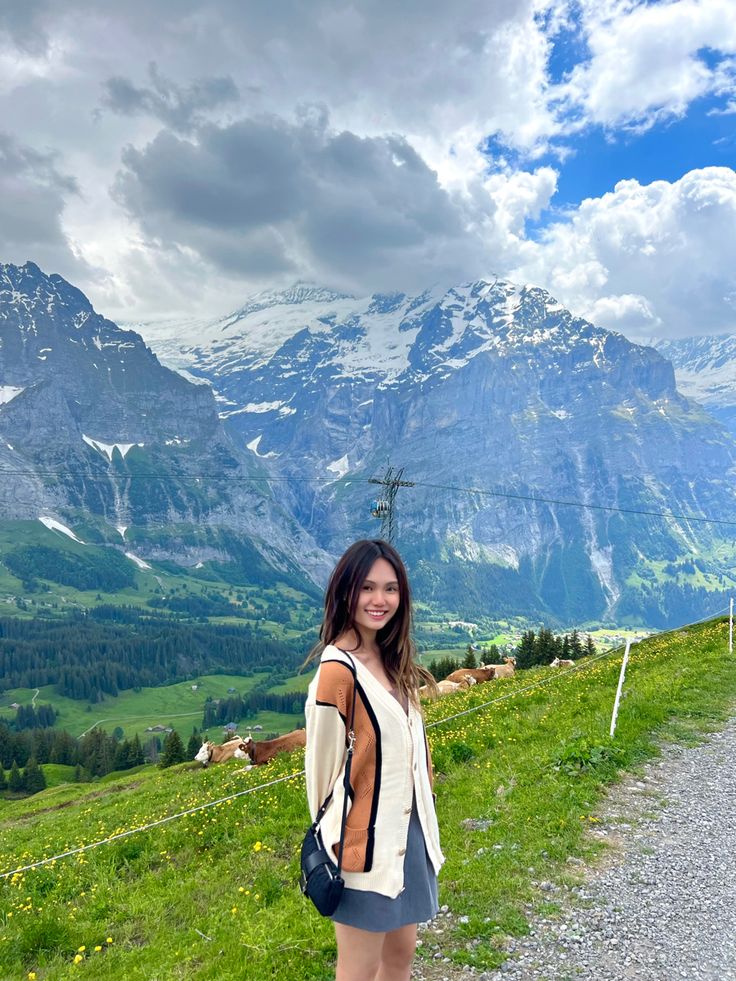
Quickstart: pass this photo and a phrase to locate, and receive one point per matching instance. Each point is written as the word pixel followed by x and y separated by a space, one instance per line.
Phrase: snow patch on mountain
pixel 55 525
pixel 339 467
pixel 260 407
pixel 139 562
pixel 8 393
pixel 107 449
pixel 253 447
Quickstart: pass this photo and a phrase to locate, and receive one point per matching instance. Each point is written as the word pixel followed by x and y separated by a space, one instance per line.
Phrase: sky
pixel 171 158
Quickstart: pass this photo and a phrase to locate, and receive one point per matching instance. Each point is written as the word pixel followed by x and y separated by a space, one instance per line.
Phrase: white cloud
pixel 519 196
pixel 421 83
pixel 646 259
pixel 647 59
pixel 438 78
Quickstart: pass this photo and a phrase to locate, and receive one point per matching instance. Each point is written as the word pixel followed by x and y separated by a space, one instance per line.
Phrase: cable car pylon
pixel 385 507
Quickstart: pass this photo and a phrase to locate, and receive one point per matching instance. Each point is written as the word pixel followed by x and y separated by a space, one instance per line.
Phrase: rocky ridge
pixel 486 385
pixel 93 428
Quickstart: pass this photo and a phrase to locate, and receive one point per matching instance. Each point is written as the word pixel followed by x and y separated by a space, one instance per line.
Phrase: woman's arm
pixel 326 716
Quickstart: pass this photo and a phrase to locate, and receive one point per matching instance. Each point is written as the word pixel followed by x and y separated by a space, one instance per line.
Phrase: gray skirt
pixel 416 904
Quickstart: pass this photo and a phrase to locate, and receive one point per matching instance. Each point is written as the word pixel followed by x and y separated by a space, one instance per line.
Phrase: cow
pixel 486 672
pixel 447 687
pixel 505 670
pixel 263 750
pixel 212 753
pixel 561 663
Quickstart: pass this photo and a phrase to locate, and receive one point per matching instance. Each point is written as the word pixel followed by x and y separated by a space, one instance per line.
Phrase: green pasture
pixel 53 599
pixel 134 710
pixel 213 894
pixel 299 682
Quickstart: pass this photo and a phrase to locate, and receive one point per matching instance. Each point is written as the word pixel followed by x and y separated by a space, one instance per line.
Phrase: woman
pixel 391 853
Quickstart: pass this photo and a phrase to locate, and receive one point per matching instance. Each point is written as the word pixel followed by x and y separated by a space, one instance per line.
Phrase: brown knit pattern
pixel 335 687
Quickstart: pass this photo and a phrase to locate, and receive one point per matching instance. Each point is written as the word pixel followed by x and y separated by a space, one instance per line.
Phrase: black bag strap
pixel 348 766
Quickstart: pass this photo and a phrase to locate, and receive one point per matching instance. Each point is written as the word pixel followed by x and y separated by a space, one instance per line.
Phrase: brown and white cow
pixel 447 687
pixel 486 672
pixel 505 670
pixel 262 750
pixel 212 753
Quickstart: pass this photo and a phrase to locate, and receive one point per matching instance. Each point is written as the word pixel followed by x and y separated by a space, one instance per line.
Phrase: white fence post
pixel 620 686
pixel 730 627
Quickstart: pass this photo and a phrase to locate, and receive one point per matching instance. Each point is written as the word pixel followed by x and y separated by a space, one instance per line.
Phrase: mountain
pixel 489 386
pixel 98 438
pixel 705 369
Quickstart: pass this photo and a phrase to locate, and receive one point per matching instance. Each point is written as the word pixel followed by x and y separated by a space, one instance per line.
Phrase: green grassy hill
pixel 213 894
pixel 43 572
pixel 133 710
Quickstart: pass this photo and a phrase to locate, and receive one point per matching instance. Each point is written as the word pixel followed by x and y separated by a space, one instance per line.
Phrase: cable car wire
pixel 536 499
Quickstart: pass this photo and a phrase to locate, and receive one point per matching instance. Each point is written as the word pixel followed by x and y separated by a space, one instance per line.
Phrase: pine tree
pixel 527 649
pixel 136 756
pixel 33 777
pixel 15 780
pixel 469 660
pixel 195 741
pixel 173 752
pixel 152 749
pixel 589 646
pixel 545 646
pixel 3 781
pixel 576 646
pixel 493 655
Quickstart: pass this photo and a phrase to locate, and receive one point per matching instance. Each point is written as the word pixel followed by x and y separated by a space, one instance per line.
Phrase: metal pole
pixel 730 627
pixel 392 482
pixel 620 686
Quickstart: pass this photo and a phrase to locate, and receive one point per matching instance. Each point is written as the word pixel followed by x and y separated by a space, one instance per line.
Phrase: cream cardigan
pixel 391 763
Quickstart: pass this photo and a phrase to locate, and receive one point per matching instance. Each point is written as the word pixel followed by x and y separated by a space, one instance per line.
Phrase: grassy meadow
pixel 134 710
pixel 213 894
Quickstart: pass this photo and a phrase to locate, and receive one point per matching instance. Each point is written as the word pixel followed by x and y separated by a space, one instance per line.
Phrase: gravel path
pixel 661 904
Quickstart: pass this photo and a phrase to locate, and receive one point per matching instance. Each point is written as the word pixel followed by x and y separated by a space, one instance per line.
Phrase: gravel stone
pixel 661 901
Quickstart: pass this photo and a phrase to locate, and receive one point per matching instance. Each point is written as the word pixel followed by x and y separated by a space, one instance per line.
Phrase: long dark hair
pixel 398 650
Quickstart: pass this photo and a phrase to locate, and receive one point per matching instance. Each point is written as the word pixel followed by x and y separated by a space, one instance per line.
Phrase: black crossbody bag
pixel 320 878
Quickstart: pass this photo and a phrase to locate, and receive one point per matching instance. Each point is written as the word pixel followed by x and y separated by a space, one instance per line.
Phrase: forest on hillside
pixel 102 652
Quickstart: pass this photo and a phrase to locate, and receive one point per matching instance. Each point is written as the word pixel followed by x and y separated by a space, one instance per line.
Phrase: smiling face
pixel 379 597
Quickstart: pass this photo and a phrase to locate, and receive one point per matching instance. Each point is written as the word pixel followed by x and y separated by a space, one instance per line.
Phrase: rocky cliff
pixel 94 429
pixel 488 386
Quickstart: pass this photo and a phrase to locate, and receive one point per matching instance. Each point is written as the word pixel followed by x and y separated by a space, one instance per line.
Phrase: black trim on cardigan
pixel 336 660
pixel 371 839
pixel 333 706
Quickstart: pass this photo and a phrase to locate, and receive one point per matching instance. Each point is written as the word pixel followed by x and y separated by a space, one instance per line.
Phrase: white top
pixel 395 742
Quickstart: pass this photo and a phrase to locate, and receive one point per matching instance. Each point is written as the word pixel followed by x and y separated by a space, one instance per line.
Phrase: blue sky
pixel 173 158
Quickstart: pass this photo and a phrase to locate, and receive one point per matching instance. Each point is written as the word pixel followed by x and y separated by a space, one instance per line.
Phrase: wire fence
pixel 579 667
